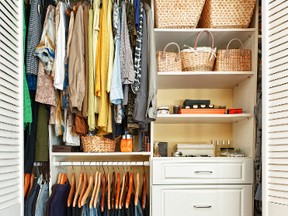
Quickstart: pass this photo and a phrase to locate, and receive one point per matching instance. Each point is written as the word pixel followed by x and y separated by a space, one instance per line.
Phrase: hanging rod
pixel 111 163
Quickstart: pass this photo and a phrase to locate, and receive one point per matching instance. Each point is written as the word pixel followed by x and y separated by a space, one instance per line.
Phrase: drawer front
pixel 203 172
pixel 170 200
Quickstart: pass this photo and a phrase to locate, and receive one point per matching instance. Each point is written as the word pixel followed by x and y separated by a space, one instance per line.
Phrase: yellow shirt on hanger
pixel 96 29
pixel 102 62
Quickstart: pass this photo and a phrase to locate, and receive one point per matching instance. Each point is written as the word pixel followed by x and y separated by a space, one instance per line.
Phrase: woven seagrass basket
pixel 169 61
pixel 227 13
pixel 97 144
pixel 233 59
pixel 177 13
pixel 199 58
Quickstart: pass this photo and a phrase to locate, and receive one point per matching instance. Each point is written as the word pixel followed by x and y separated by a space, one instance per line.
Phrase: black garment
pixel 47 213
pixel 146 210
pixel 70 208
pixel 29 201
pixel 29 145
pixel 58 203
pixel 76 211
pixel 130 210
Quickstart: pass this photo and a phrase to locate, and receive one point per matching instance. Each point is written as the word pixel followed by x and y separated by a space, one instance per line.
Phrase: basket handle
pixel 197 38
pixel 172 43
pixel 234 39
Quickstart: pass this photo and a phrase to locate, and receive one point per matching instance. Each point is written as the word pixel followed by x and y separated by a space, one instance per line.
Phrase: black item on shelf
pixel 191 103
pixel 65 148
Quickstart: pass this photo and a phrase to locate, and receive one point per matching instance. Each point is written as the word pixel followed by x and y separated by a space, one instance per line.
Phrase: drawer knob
pixel 202 206
pixel 197 172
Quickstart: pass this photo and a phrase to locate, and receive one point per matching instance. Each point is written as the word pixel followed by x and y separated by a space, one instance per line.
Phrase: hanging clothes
pixel 76 65
pixel 42 136
pixel 116 92
pixel 86 58
pixel 139 113
pixel 45 50
pixel 96 30
pixel 104 119
pixel 33 36
pixel 91 74
pixel 42 199
pixel 26 95
pixel 152 67
pixel 138 53
pixel 60 54
pixel 127 71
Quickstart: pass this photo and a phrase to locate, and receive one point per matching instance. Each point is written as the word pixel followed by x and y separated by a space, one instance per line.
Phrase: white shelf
pixel 187 37
pixel 113 156
pixel 200 118
pixel 198 79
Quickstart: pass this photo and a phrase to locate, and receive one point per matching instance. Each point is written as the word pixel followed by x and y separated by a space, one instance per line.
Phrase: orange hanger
pixel 109 191
pixel 63 178
pixel 59 178
pixel 113 191
pixel 84 186
pixel 87 192
pixel 117 190
pixel 137 189
pixel 26 183
pixel 144 191
pixel 78 189
pixel 131 180
pixel 103 192
pixel 72 189
pixel 122 191
pixel 32 177
pixel 94 190
pixel 98 189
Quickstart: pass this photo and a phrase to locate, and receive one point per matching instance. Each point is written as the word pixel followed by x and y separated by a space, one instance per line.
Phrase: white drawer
pixel 231 200
pixel 203 171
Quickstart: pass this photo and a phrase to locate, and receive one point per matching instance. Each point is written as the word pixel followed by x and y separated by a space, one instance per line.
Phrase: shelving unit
pixel 171 176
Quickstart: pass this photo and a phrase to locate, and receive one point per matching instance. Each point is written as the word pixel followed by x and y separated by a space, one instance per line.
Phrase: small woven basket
pixel 177 13
pixel 169 61
pixel 227 13
pixel 233 59
pixel 97 144
pixel 199 58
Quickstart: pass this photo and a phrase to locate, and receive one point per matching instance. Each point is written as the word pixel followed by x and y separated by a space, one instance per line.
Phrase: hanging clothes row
pixel 93 63
pixel 111 192
pixel 36 190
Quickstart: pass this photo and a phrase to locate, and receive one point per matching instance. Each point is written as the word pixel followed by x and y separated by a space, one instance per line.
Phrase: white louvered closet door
pixel 11 108
pixel 275 107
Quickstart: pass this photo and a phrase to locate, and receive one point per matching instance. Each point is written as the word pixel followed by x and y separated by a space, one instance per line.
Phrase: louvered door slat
pixel 11 108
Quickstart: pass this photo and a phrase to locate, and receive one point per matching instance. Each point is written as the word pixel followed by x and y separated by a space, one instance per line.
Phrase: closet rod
pixel 112 163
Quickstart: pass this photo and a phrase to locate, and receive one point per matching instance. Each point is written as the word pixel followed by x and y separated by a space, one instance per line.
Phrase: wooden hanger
pixel 122 191
pixel 94 190
pixel 144 191
pixel 98 189
pixel 78 189
pixel 59 178
pixel 109 191
pixel 131 183
pixel 137 189
pixel 72 189
pixel 84 186
pixel 26 183
pixel 117 190
pixel 63 178
pixel 87 192
pixel 32 177
pixel 103 184
pixel 113 191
